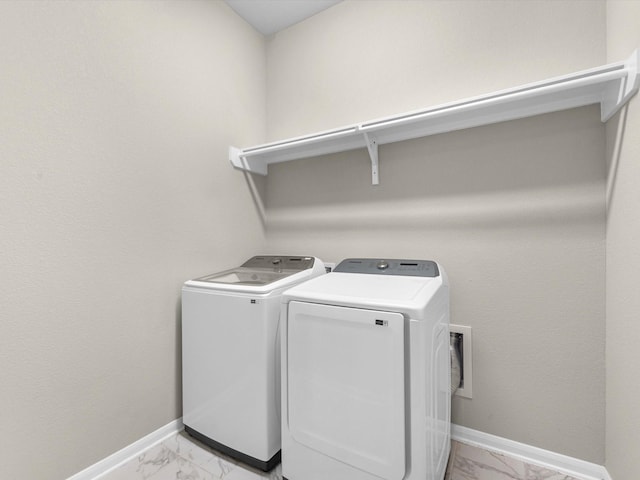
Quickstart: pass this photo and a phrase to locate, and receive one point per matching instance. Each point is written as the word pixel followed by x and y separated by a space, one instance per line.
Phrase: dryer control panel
pixel 377 266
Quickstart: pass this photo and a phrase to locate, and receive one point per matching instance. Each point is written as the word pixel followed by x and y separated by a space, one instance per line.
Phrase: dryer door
pixel 346 385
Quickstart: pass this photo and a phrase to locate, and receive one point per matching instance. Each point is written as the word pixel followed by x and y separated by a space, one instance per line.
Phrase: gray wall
pixel 515 212
pixel 623 259
pixel 115 118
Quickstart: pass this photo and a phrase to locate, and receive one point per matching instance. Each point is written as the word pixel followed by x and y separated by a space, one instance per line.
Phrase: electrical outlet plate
pixel 466 390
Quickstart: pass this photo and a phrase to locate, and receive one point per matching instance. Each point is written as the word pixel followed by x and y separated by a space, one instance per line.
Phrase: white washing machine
pixel 231 356
pixel 366 373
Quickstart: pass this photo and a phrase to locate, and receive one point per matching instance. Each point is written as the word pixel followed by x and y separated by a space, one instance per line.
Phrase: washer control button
pixel 382 265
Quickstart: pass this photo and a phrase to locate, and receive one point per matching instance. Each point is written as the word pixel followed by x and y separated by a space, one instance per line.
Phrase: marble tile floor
pixel 473 463
pixel 180 457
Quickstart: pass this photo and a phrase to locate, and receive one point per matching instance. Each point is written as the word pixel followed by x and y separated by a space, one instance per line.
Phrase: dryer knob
pixel 276 261
pixel 382 265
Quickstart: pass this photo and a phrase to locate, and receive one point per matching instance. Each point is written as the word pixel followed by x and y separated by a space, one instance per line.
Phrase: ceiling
pixel 271 16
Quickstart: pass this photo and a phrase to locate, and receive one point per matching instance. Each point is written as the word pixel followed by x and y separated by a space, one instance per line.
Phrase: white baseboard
pixel 127 453
pixel 544 458
pixel 537 456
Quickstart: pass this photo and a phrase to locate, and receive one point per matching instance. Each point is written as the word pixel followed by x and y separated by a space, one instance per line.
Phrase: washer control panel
pixel 378 266
pixel 279 262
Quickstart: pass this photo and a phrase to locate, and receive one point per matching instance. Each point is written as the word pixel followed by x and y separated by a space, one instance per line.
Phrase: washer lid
pixel 260 270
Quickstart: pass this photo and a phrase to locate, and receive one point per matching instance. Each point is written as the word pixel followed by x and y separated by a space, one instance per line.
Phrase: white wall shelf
pixel 611 86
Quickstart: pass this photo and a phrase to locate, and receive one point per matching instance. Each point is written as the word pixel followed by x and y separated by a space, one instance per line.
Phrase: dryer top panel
pixel 406 268
pixel 409 294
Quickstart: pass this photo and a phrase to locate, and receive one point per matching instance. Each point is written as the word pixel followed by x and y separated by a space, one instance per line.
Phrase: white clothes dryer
pixel 366 373
pixel 231 356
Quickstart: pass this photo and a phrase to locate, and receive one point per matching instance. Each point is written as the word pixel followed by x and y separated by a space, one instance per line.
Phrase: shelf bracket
pixel 372 146
pixel 618 93
pixel 241 162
